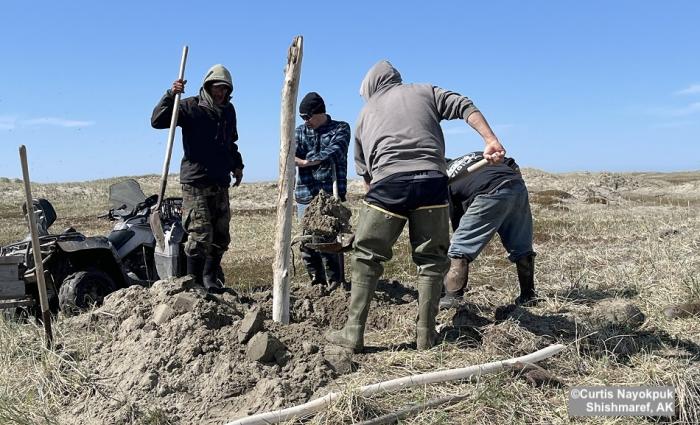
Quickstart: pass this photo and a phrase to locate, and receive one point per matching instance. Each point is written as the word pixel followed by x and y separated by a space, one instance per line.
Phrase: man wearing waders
pixel 211 156
pixel 400 153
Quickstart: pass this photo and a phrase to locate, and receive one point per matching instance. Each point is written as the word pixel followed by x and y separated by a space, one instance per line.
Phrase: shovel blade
pixel 157 228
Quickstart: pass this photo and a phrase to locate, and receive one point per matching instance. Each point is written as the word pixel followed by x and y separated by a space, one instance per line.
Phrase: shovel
pixel 344 242
pixel 154 219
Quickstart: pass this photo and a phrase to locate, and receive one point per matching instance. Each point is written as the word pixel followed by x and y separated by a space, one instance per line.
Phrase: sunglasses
pixel 306 117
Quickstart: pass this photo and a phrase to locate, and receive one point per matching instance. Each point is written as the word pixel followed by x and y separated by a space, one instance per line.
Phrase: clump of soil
pixel 617 314
pixel 175 350
pixel 326 216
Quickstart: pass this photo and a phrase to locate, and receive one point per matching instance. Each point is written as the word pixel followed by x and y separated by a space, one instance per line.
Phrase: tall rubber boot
pixel 195 268
pixel 314 266
pixel 455 283
pixel 526 279
pixel 428 299
pixel 209 278
pixel 429 235
pixel 376 234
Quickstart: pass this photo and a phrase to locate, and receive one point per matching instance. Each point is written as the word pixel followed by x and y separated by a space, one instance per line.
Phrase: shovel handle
pixel 472 168
pixel 171 132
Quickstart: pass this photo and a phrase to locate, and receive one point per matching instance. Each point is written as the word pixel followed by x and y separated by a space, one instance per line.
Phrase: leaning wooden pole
pixel 36 248
pixel 283 237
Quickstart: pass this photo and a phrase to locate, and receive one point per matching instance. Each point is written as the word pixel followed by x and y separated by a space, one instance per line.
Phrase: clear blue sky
pixel 595 85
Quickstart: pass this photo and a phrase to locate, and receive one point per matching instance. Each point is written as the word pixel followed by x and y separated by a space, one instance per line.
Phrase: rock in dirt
pixel 184 303
pixel 162 313
pixel 251 324
pixel 681 311
pixel 535 375
pixel 339 358
pixel 616 313
pixel 264 348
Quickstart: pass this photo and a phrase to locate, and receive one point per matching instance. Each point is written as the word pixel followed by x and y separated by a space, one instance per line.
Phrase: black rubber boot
pixel 526 278
pixel 209 278
pixel 195 268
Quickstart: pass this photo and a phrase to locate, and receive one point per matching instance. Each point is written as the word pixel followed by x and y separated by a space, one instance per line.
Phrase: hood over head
pixel 379 78
pixel 217 74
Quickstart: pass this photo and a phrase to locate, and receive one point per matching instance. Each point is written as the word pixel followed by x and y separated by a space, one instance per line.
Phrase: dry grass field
pixel 633 237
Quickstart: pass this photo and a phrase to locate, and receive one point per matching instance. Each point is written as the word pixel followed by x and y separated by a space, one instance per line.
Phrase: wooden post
pixel 283 237
pixel 36 248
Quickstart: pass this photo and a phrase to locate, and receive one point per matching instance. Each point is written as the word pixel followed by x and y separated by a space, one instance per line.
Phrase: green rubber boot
pixel 377 231
pixel 429 236
pixel 428 300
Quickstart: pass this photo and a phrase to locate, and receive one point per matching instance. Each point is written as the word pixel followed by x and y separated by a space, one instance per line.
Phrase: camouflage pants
pixel 207 216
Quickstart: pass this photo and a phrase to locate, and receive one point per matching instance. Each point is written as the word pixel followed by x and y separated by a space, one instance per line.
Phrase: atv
pixel 79 270
pixel 133 238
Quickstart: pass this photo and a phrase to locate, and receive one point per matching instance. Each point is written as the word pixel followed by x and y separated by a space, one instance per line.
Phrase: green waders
pixel 377 232
pixel 429 234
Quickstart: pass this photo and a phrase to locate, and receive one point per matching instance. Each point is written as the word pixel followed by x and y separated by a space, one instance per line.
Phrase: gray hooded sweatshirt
pixel 398 129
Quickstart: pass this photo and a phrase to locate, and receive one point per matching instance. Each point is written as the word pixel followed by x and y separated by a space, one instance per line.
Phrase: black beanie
pixel 311 104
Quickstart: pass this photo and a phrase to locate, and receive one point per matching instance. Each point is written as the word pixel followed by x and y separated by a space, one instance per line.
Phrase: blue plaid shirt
pixel 328 144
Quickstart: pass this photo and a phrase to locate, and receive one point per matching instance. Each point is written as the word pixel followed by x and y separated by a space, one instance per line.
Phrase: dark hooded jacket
pixel 209 133
pixel 398 129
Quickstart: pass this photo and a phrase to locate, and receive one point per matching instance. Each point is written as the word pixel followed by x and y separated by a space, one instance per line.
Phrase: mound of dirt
pixel 616 313
pixel 176 351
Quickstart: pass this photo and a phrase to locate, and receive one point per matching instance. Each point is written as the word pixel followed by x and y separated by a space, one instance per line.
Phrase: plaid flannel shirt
pixel 328 144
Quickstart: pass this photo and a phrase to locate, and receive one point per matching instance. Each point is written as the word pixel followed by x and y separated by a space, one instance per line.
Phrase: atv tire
pixel 83 289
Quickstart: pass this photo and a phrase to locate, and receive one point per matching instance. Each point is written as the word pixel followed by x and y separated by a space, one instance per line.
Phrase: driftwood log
pixel 283 236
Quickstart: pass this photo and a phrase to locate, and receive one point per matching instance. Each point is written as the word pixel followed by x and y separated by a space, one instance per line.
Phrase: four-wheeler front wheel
pixel 83 289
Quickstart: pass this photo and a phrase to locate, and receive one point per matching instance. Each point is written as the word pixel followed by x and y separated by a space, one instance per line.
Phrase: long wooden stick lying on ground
pixel 36 249
pixel 397 384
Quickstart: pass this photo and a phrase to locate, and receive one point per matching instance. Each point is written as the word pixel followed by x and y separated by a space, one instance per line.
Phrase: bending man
pixel 400 153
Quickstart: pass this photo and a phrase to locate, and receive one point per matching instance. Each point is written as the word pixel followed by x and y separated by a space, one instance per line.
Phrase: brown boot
pixel 455 282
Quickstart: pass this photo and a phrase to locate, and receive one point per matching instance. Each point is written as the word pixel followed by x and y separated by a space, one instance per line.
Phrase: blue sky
pixel 596 85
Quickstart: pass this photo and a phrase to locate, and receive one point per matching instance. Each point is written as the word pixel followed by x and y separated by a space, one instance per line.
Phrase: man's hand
pixel 178 86
pixel 238 175
pixel 494 152
pixel 302 163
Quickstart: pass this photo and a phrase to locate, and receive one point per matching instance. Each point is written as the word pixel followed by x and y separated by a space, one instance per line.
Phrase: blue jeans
pixel 506 211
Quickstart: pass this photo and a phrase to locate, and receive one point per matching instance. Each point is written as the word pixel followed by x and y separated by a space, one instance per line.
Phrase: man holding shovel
pixel 211 156
pixel 488 201
pixel 400 153
pixel 322 161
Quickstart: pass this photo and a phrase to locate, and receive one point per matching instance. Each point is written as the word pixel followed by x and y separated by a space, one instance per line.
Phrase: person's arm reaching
pixel 494 151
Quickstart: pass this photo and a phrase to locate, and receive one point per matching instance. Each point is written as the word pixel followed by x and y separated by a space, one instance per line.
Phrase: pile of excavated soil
pixel 175 352
pixel 326 216
pixel 194 357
